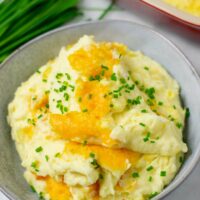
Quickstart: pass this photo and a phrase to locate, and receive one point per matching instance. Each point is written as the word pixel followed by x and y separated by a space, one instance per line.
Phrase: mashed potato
pixel 190 6
pixel 98 122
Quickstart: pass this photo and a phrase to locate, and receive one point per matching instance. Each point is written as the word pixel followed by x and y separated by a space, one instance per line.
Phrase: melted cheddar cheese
pixel 57 190
pixel 79 124
pixel 115 159
pixel 93 97
pixel 89 61
pixel 190 6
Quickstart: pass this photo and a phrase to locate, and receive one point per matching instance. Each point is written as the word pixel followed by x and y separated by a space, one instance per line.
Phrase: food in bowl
pixel 189 6
pixel 99 122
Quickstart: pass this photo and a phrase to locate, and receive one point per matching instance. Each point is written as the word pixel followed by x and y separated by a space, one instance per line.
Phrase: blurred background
pixel 22 20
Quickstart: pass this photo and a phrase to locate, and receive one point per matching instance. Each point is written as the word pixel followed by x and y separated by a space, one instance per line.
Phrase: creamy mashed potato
pixel 190 6
pixel 98 122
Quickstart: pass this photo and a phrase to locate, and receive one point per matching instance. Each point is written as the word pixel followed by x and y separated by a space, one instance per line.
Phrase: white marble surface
pixel 187 39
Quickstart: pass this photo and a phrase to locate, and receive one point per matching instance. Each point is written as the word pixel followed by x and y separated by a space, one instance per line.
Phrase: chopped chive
pixel 39 149
pixel 47 158
pixel 187 113
pixel 150 179
pixel 135 101
pixel 41 196
pixel 47 91
pixel 163 173
pixel 92 155
pixel 91 78
pixel 150 92
pixel 34 98
pixel 115 96
pixel 68 76
pixel 95 163
pixel 135 175
pixel 62 88
pixel 103 73
pixel 122 80
pixel 97 77
pixel 149 168
pixel 66 96
pixel 149 102
pixel 100 176
pixel 146 68
pixel 85 110
pixel 113 77
pixel 65 109
pixel 34 166
pixel 144 111
pixel 72 87
pixel 104 67
pixel 57 155
pixel 65 83
pixel 44 80
pixel 160 103
pixel 137 82
pixel 152 195
pixel 142 124
pixel 181 159
pixel 174 107
pixel 32 188
pixel 111 105
pixel 31 121
pixel 146 138
pixel 59 75
pixel 40 116
pixel 179 125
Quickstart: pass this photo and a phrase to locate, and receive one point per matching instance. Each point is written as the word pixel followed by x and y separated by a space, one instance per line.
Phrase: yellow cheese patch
pixel 92 95
pixel 79 124
pixel 89 61
pixel 57 190
pixel 190 6
pixel 115 159
pixel 36 105
pixel 27 132
pixel 46 73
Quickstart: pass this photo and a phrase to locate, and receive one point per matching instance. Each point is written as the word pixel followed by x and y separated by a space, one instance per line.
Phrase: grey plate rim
pixel 196 156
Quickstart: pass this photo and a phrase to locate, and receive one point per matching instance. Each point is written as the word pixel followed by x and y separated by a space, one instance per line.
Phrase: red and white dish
pixel 175 13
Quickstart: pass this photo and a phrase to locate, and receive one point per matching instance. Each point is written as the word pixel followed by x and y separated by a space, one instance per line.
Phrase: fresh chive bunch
pixel 22 20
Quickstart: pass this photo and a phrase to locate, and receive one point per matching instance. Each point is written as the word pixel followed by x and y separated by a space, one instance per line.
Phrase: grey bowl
pixel 20 65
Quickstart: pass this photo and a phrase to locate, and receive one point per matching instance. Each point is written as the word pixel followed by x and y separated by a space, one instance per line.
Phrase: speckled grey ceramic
pixel 27 59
